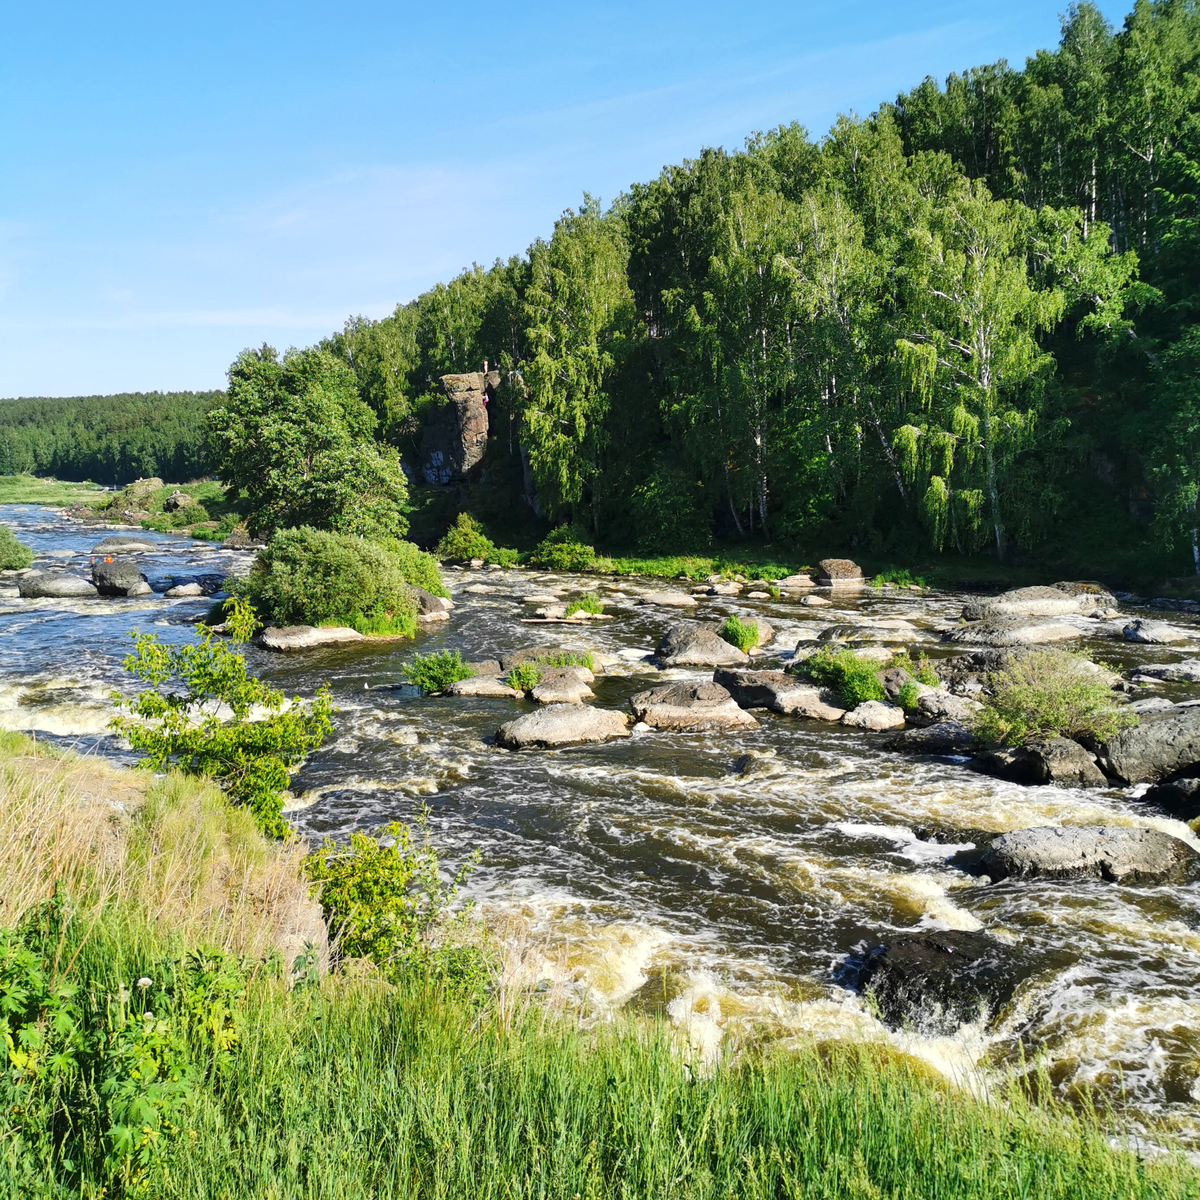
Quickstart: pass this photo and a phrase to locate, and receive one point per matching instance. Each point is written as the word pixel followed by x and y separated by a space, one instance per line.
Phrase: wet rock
pixel 795 583
pixel 1011 631
pixel 240 539
pixel 307 637
pixel 562 725
pixel 1187 671
pixel 180 590
pixel 486 666
pixel 456 433
pixel 139 589
pixel 1155 748
pixel 944 738
pixel 487 686
pixel 478 589
pixel 1056 760
pixel 1178 798
pixel 756 762
pixel 1153 633
pixel 940 978
pixel 55 585
pixel 686 645
pixel 563 685
pixel 428 603
pixel 935 705
pixel 689 707
pixel 816 602
pixel 729 588
pixel 1054 601
pixel 669 599
pixel 124 545
pixel 839 572
pixel 781 693
pixel 118 578
pixel 1117 853
pixel 875 715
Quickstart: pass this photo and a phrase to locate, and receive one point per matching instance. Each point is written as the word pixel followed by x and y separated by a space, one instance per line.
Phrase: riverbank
pixel 144 965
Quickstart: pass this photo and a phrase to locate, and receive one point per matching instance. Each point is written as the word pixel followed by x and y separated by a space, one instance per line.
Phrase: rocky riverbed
pixel 732 853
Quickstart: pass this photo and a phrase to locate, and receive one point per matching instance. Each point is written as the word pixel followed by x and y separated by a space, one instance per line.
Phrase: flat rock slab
pixel 669 599
pixel 945 738
pixel 781 693
pixel 563 685
pixel 1154 749
pixel 55 585
pixel 1054 601
pixel 696 646
pixel 875 715
pixel 1187 671
pixel 795 583
pixel 1055 760
pixel 690 707
pixel 1011 631
pixel 487 686
pixel 308 637
pixel 125 545
pixel 562 725
pixel 1154 633
pixel 1118 853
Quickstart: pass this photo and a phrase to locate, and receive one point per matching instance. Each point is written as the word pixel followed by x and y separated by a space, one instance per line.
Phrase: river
pixel 647 872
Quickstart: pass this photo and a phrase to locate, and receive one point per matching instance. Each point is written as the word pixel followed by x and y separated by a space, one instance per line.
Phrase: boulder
pixel 893 679
pixel 563 685
pixel 141 588
pixel 562 725
pixel 478 589
pixel 1151 706
pixel 935 705
pixel 428 603
pixel 307 637
pixel 54 585
pixel 940 978
pixel 781 693
pixel 815 602
pixel 486 666
pixel 120 577
pixel 875 716
pixel 689 707
pixel 175 501
pixel 795 583
pixel 124 545
pixel 1187 671
pixel 944 738
pixel 687 645
pixel 1117 853
pixel 487 686
pixel 729 588
pixel 756 762
pixel 669 599
pixel 240 539
pixel 1011 631
pixel 1178 798
pixel 839 572
pixel 181 590
pixel 1153 633
pixel 1054 601
pixel 456 433
pixel 1157 747
pixel 1055 760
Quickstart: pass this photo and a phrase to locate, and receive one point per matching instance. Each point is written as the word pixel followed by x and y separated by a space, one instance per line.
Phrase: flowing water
pixel 646 872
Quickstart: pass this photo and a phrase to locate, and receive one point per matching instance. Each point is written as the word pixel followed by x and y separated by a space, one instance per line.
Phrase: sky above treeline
pixel 178 181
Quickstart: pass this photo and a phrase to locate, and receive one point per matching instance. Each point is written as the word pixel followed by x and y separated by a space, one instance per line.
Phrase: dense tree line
pixel 107 439
pixel 967 321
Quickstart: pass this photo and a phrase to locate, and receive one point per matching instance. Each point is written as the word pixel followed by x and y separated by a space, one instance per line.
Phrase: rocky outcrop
pixel 119 578
pixel 240 539
pixel 123 545
pixel 686 645
pixel 1153 633
pixel 781 693
pixel 940 979
pixel 485 686
pixel 689 708
pixel 839 572
pixel 1154 749
pixel 562 725
pixel 456 433
pixel 563 685
pixel 1178 798
pixel 874 715
pixel 1117 853
pixel 1055 760
pixel 1187 671
pixel 944 738
pixel 54 585
pixel 935 705
pixel 1011 631
pixel 307 637
pixel 1054 601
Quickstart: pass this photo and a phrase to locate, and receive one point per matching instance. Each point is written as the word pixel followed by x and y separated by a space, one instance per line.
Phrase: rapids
pixel 645 872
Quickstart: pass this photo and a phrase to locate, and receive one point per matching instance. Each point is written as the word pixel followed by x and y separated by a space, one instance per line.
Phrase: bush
pixel 466 540
pixel 909 694
pixel 14 555
pixel 251 759
pixel 417 567
pixel 921 669
pixel 523 677
pixel 589 603
pixel 309 577
pixel 1049 693
pixel 854 680
pixel 739 633
pixel 564 550
pixel 436 672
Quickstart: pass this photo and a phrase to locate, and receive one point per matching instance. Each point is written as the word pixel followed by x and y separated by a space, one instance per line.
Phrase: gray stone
pixel 1178 798
pixel 1151 705
pixel 729 588
pixel 124 545
pixel 563 685
pixel 117 578
pixel 428 603
pixel 562 725
pixel 815 602
pixel 781 693
pixel 795 583
pixel 455 435
pixel 839 572
pixel 689 707
pixel 307 637
pixel 240 539
pixel 945 738
pixel 1117 853
pixel 936 704
pixel 1011 631
pixel 1187 671
pixel 55 585
pixel 486 666
pixel 1155 748
pixel 669 599
pixel 875 716
pixel 686 645
pixel 183 589
pixel 756 762
pixel 175 501
pixel 1153 633
pixel 1038 602
pixel 487 686
pixel 1055 760
pixel 141 588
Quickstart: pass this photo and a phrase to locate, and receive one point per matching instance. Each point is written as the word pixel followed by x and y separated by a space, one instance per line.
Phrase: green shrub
pixel 310 577
pixel 523 677
pixel 417 567
pixel 564 550
pixel 567 658
pixel 436 672
pixel 739 633
pixel 1049 693
pixel 853 679
pixel 14 555
pixel 251 759
pixel 589 602
pixel 466 540
pixel 224 528
pixel 671 511
pixel 909 694
pixel 901 577
pixel 919 667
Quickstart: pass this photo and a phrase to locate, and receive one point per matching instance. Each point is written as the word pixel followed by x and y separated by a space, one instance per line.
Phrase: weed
pixel 909 694
pixel 588 603
pixel 436 672
pixel 523 677
pixel 853 679
pixel 739 633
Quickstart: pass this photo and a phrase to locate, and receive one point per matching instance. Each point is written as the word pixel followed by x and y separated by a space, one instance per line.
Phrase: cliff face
pixel 456 434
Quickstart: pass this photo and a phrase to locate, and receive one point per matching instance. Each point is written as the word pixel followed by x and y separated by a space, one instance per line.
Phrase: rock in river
pixel 183 589
pixel 307 637
pixel 944 738
pixel 1054 601
pixel 119 578
pixel 839 572
pixel 669 599
pixel 1056 760
pixel 942 977
pixel 1153 633
pixel 1178 798
pixel 562 725
pixel 686 645
pixel 875 716
pixel 1011 631
pixel 54 585
pixel 689 707
pixel 563 685
pixel 124 545
pixel 486 686
pixel 1118 853
pixel 1158 747
pixel 781 693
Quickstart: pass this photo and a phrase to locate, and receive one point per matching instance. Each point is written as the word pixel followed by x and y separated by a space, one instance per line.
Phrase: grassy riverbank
pixel 159 1051
pixel 29 489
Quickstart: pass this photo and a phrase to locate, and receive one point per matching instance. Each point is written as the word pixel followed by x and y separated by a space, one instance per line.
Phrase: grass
pixel 29 489
pixel 853 679
pixel 436 672
pixel 523 677
pixel 899 577
pixel 379 624
pixel 739 633
pixel 588 603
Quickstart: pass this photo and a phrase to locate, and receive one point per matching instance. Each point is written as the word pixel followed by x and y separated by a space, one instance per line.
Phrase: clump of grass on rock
pixel 739 633
pixel 855 680
pixel 436 672
pixel 1050 693
pixel 588 603
pixel 14 555
pixel 524 677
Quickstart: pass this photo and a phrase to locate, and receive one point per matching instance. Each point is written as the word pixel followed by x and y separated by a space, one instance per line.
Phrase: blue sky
pixel 181 181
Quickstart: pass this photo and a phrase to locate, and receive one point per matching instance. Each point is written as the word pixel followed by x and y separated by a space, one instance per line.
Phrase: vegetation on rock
pixel 564 550
pixel 588 603
pixel 739 633
pixel 465 540
pixel 436 672
pixel 855 680
pixel 14 555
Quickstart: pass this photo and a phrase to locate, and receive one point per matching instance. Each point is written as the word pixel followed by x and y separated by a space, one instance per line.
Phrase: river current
pixel 647 872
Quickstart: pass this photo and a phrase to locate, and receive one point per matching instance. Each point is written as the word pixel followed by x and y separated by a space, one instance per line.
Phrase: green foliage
pixel 1049 693
pixel 385 900
pixel 853 679
pixel 589 603
pixel 417 567
pixel 250 753
pixel 900 576
pixel 909 694
pixel 308 576
pixel 295 438
pixel 465 540
pixel 739 633
pixel 564 550
pixel 671 511
pixel 436 672
pixel 524 677
pixel 14 555
pixel 918 665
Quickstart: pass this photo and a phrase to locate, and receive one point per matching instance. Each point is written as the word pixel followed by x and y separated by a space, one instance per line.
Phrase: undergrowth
pixel 523 677
pixel 855 680
pixel 436 672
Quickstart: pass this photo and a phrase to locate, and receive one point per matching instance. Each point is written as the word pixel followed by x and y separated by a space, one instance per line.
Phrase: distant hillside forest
pixel 969 322
pixel 107 439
